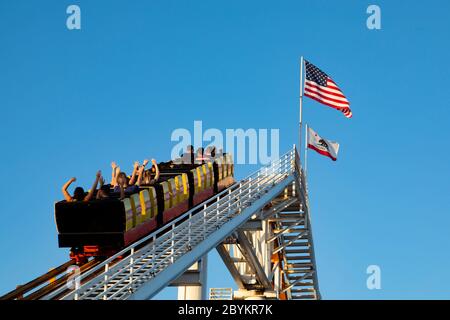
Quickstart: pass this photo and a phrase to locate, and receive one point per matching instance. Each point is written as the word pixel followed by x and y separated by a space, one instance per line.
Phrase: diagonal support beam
pixel 286 229
pixel 300 236
pixel 277 209
pixel 249 252
pixel 297 281
pixel 225 255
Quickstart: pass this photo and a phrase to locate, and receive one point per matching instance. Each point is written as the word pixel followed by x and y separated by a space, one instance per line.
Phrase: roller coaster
pixel 132 248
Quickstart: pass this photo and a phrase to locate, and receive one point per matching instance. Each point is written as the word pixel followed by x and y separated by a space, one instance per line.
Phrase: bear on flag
pixel 321 145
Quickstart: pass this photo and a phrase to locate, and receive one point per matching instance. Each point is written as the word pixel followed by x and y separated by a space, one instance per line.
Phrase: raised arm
pixel 133 175
pixel 66 194
pixel 94 187
pixel 141 172
pixel 140 175
pixel 115 170
pixel 101 183
pixel 156 170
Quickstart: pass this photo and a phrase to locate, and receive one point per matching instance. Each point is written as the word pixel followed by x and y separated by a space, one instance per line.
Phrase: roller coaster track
pixel 48 282
pixel 275 196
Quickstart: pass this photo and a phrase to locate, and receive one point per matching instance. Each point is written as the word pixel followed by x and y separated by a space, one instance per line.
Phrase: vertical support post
pixel 267 247
pixel 301 107
pixel 218 212
pixel 190 231
pixel 172 243
pixel 204 277
pixel 131 266
pixel 204 222
pixel 229 198
pixel 306 148
pixel 105 287
pixel 195 292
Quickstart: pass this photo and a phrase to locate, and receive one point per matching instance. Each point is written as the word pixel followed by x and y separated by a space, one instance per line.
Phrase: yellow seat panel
pixel 136 204
pixel 144 197
pixel 129 214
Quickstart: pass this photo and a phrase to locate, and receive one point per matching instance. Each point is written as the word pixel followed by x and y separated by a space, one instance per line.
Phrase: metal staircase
pixel 270 196
pixel 275 259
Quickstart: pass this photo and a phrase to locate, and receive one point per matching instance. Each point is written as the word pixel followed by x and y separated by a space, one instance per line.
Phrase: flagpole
pixel 301 108
pixel 306 148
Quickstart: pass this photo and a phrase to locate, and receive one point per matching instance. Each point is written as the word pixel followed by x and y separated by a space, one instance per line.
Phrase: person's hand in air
pixel 101 181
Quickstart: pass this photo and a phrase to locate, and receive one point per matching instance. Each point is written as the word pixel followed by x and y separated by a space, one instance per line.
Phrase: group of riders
pixel 122 185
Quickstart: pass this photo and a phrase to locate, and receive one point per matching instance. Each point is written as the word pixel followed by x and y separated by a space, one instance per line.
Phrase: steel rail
pixel 61 281
pixel 33 284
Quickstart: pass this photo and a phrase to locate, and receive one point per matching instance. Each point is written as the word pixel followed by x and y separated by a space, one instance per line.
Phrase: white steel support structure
pixel 196 290
pixel 260 227
pixel 285 265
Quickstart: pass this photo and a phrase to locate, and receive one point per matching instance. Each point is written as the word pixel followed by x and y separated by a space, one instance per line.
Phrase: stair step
pixel 292 270
pixel 298 258
pixel 295 278
pixel 299 244
pixel 302 290
pixel 290 231
pixel 289 238
pixel 290 222
pixel 309 296
pixel 287 220
pixel 288 250
pixel 304 284
pixel 287 214
pixel 305 265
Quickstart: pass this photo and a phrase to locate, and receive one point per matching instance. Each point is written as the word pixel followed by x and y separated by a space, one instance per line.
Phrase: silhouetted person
pixel 78 193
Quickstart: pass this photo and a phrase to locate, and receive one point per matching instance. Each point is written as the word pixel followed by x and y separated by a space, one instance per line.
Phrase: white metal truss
pixel 299 265
pixel 144 268
pixel 275 259
pixel 248 251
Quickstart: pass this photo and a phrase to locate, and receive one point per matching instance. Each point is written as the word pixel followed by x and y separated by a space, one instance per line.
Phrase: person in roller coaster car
pixel 79 194
pixel 148 177
pixel 115 172
pixel 134 175
pixel 199 158
pixel 104 191
pixel 210 154
pixel 186 157
pixel 123 185
pixel 136 171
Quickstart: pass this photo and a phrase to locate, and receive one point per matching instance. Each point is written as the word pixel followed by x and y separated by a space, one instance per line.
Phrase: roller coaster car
pixel 103 227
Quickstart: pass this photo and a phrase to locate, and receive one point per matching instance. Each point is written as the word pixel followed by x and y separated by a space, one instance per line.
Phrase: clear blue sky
pixel 72 101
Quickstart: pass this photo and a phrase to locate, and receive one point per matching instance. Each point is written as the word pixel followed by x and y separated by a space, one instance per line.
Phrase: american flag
pixel 320 87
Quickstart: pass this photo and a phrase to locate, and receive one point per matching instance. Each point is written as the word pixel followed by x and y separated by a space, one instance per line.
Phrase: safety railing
pixel 221 294
pixel 120 275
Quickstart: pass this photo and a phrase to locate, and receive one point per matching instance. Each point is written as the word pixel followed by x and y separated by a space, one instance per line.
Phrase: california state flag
pixel 321 145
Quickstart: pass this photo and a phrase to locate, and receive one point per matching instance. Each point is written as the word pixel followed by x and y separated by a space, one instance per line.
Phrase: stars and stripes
pixel 320 87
